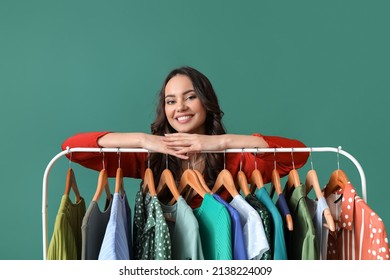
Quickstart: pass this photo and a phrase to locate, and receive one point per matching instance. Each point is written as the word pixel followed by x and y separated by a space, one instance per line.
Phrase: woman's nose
pixel 181 106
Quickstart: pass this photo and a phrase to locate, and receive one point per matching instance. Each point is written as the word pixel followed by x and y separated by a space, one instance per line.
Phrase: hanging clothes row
pixel 250 204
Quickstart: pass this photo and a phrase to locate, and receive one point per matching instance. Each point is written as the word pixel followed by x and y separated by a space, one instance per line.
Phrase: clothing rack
pixel 138 150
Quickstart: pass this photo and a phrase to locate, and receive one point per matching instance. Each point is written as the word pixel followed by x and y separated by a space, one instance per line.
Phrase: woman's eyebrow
pixel 184 93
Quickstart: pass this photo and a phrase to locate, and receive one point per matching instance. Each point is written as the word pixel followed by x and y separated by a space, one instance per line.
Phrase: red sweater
pixel 133 164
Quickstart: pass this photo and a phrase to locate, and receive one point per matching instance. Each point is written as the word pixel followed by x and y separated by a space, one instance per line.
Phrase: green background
pixel 317 71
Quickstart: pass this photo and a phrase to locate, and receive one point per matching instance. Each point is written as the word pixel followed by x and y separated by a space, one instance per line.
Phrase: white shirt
pixel 252 227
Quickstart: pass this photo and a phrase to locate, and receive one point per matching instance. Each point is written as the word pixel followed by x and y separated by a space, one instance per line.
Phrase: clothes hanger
pixel 148 181
pixel 275 180
pixel 202 181
pixel 225 179
pixel 119 187
pixel 241 180
pixel 293 180
pixel 167 180
pixel 256 180
pixel 189 183
pixel 71 184
pixel 276 186
pixel 313 183
pixel 338 179
pixel 102 185
pixel 189 179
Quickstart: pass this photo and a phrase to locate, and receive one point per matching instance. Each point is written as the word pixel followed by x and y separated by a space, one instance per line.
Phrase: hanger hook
pixel 70 160
pixel 194 161
pixel 166 161
pixel 101 151
pixel 224 159
pixel 257 151
pixel 338 157
pixel 311 158
pixel 119 158
pixel 242 155
pixel 188 162
pixel 274 158
pixel 292 157
pixel 148 159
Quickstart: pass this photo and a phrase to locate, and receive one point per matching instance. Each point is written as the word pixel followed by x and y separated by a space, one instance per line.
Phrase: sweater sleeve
pixel 132 164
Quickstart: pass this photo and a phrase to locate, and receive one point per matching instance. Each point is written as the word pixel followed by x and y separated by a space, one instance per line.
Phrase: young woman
pixel 188 121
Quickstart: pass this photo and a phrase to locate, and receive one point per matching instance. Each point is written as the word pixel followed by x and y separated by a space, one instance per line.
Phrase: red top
pixel 133 164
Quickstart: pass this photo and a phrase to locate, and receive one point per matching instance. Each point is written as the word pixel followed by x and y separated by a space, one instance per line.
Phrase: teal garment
pixel 184 231
pixel 215 229
pixel 65 243
pixel 279 244
pixel 267 223
pixel 301 242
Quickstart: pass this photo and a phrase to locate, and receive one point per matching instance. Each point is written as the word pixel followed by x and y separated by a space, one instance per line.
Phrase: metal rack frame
pixel 135 150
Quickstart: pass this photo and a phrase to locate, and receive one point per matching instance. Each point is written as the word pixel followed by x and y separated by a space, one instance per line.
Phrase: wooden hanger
pixel 102 185
pixel 202 181
pixel 148 182
pixel 242 183
pixel 225 179
pixel 275 180
pixel 119 187
pixel 312 182
pixel 71 184
pixel 293 181
pixel 256 180
pixel 189 179
pixel 338 179
pixel 241 179
pixel 275 185
pixel 167 180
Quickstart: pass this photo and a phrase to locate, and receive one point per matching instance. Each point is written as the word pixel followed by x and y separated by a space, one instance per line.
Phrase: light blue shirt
pixel 116 239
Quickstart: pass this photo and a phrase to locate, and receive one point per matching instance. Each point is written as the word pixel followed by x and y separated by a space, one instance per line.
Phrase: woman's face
pixel 184 110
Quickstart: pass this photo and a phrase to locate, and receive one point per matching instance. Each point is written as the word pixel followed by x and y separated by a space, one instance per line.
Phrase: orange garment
pixel 360 233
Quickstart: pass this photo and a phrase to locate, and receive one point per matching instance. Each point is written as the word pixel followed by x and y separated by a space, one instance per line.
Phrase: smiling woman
pixel 183 109
pixel 188 121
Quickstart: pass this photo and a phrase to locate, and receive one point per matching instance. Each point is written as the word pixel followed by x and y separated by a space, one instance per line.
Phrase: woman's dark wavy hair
pixel 213 125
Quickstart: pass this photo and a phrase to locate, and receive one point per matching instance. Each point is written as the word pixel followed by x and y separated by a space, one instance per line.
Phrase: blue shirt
pixel 239 251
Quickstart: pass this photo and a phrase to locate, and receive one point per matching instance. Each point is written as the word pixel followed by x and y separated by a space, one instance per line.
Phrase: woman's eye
pixel 169 102
pixel 190 97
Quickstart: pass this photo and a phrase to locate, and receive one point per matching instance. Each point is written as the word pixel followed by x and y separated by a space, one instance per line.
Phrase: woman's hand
pixel 182 144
